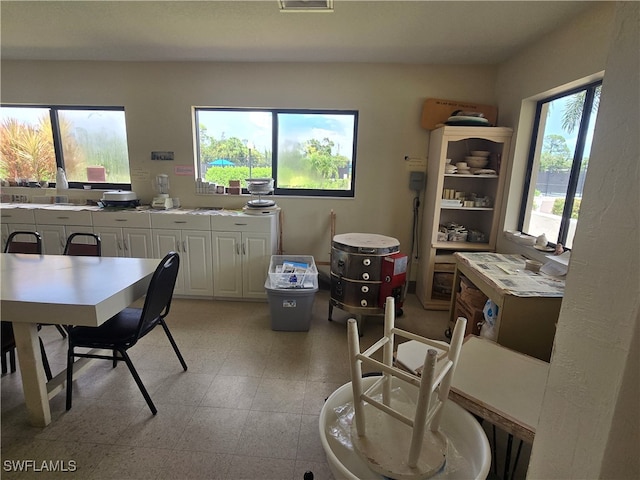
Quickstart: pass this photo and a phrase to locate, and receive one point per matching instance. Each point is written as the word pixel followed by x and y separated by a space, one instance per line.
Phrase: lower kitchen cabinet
pixel 55 226
pixel 221 256
pixel 125 242
pixel 242 250
pixel 195 277
pixel 16 220
pixel 241 262
pixel 124 234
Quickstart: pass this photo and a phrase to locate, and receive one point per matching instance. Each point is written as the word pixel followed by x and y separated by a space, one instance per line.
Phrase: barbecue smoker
pixel 365 270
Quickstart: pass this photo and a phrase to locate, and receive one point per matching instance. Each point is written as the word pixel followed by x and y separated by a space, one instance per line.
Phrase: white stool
pixel 402 441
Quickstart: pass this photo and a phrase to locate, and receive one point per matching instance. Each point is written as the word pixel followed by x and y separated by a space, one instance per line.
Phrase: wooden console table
pixel 528 303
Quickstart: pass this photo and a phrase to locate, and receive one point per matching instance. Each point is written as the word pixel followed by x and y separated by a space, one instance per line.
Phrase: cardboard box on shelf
pixel 474 317
pixel 471 295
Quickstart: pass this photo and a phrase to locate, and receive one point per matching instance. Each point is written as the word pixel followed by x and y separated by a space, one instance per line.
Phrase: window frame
pixel 576 162
pixel 57 141
pixel 274 147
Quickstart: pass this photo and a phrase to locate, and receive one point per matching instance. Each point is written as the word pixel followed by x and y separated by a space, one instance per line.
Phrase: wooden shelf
pixel 455 143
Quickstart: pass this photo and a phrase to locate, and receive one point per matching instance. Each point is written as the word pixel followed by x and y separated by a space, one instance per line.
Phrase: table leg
pixel 507 460
pixel 34 383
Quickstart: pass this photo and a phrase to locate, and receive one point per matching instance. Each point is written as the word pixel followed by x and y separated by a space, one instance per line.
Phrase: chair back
pixel 159 294
pixel 33 243
pixel 89 245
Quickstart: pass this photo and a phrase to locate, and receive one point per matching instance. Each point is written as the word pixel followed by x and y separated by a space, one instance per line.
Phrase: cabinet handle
pixel 184 246
pixel 244 249
pixel 241 224
pixel 119 245
pixel 62 218
pixel 237 249
pixel 179 221
pixel 121 219
pixel 126 247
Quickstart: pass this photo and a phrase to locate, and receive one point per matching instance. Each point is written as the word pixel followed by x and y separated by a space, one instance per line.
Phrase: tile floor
pixel 247 408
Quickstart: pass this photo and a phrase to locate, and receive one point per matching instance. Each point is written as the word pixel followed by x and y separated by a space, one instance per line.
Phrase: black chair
pixel 32 244
pixel 9 347
pixel 123 331
pixel 89 245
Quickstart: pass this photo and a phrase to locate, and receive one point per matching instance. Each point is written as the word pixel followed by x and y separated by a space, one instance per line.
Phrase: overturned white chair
pixel 397 440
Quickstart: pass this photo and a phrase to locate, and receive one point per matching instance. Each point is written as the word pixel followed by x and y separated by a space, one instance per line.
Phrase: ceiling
pixel 414 32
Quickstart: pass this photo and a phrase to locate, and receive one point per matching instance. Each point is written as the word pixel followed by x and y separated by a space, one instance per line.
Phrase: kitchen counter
pixel 143 209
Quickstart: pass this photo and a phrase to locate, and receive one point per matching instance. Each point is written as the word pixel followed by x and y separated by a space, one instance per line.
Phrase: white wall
pixel 158 98
pixel 589 422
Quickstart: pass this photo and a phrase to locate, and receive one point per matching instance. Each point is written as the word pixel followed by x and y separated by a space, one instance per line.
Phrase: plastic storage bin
pixel 293 271
pixel 291 302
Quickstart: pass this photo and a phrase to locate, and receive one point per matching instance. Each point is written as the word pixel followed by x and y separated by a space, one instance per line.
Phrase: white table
pixel 64 290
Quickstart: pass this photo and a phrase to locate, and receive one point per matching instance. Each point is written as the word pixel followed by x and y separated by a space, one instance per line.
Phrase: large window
pixel 558 161
pixel 306 152
pixel 89 143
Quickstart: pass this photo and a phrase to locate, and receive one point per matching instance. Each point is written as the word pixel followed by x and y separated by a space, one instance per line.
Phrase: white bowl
pixel 480 153
pixel 477 162
pixel 469 454
pixel 462 165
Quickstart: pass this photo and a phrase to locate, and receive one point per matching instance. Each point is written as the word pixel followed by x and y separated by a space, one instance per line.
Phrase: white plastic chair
pixel 397 439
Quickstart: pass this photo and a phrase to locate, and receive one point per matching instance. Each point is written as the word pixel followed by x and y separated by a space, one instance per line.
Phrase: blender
pixel 162 201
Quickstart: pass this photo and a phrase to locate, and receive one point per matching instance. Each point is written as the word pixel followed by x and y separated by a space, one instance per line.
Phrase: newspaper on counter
pixel 507 273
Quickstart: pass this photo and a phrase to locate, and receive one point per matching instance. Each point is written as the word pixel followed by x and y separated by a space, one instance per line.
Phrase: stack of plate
pixel 472 120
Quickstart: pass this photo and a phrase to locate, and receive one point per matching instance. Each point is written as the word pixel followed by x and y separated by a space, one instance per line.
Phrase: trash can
pixel 291 288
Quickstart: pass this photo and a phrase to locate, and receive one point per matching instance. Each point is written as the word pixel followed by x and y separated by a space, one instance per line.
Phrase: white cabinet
pixel 242 249
pixel 190 236
pixel 55 226
pixel 124 234
pixel 16 219
pixel 437 265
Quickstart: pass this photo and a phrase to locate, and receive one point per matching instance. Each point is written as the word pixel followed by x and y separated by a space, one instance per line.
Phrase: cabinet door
pixel 137 243
pixel 256 255
pixel 111 238
pixel 53 239
pixel 227 264
pixel 196 263
pixel 165 241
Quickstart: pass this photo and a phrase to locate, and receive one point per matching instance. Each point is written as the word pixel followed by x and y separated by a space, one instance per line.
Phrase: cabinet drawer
pixel 122 219
pixel 242 223
pixel 180 221
pixel 62 217
pixel 17 215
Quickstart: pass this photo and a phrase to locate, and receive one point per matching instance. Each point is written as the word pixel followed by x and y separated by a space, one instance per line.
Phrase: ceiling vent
pixel 306 5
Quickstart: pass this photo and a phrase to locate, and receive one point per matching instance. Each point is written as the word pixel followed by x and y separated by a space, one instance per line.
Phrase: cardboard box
pixel 471 295
pixel 474 317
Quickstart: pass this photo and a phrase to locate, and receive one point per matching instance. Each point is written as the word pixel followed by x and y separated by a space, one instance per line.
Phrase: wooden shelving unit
pixel 436 263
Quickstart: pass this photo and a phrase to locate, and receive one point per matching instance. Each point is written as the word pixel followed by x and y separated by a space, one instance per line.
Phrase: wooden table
pixel 61 289
pixel 528 303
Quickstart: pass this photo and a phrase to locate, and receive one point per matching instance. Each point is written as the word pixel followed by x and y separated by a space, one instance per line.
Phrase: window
pixel 89 143
pixel 306 152
pixel 558 161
